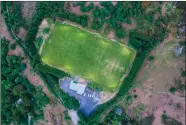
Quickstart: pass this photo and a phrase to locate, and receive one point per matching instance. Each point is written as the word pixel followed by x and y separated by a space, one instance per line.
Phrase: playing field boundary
pixel 60 23
pixel 79 27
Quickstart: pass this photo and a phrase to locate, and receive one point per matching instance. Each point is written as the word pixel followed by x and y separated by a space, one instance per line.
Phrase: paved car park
pixel 89 100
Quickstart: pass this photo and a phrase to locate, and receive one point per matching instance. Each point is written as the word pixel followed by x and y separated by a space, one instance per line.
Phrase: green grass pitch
pixel 87 55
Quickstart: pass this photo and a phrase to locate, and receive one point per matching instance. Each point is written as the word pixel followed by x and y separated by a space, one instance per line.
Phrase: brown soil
pixel 106 96
pixel 155 80
pixel 131 26
pixel 164 9
pixel 145 3
pixel 73 9
pixel 111 35
pixel 53 114
pixel 28 9
pixel 97 4
pixel 157 103
pixel 22 34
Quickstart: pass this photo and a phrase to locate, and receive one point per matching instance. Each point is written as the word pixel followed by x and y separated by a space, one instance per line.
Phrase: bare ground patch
pixel 129 26
pixel 54 114
pixel 22 33
pixel 106 96
pixel 154 81
pixel 158 103
pixel 28 9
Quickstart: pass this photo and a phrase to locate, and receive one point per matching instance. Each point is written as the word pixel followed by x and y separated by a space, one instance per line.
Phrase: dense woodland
pixel 49 75
pixel 113 16
pixel 12 14
pixel 20 99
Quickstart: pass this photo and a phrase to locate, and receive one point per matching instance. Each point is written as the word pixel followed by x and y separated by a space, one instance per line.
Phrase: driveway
pixel 87 104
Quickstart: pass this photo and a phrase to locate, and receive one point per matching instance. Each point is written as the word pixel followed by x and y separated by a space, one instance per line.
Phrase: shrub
pixel 23 66
pixel 178 105
pixel 120 33
pixel 181 87
pixel 183 74
pixel 46 30
pixel 12 46
pixel 172 89
pixel 182 43
pixel 164 116
pixel 151 58
pixel 135 96
pixel 129 99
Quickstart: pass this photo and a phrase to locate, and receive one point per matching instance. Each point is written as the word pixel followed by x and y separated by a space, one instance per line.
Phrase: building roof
pixel 79 88
pixel 118 111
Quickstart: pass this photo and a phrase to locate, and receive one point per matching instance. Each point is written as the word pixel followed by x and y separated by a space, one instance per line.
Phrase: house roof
pixel 79 88
pixel 118 111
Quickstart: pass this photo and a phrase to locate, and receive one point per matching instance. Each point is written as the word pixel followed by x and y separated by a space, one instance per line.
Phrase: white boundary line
pixel 79 27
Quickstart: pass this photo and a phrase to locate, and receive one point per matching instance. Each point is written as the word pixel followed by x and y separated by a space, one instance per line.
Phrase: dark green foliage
pixel 39 42
pixel 50 70
pixel 151 58
pixel 181 43
pixel 178 105
pixel 120 33
pixel 141 42
pixel 46 30
pixel 183 73
pixel 23 66
pixel 12 14
pixel 115 15
pixel 12 46
pixel 84 8
pixel 66 117
pixel 97 23
pixel 181 87
pixel 135 96
pixel 172 89
pixel 16 87
pixel 129 99
pixel 164 116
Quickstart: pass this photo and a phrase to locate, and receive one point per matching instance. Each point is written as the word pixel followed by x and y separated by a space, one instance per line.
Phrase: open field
pixel 87 55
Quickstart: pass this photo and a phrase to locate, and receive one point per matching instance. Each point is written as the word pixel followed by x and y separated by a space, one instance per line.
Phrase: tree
pixel 12 46
pixel 120 33
pixel 151 58
pixel 172 89
pixel 23 66
pixel 46 30
pixel 183 73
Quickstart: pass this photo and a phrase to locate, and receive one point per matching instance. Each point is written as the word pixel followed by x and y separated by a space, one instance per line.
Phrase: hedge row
pixel 82 20
pixel 51 70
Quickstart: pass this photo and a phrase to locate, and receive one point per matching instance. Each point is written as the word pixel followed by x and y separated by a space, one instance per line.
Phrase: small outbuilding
pixel 79 88
pixel 178 50
pixel 119 111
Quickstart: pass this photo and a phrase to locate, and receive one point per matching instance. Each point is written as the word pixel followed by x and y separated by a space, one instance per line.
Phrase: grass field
pixel 87 55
